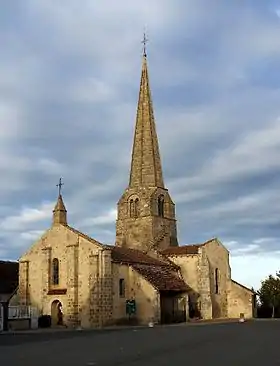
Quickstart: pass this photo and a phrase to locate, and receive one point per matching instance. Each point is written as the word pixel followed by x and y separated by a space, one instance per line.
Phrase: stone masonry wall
pixel 46 256
pixel 239 301
pixel 94 287
pixel 136 287
pixel 204 285
pixel 73 253
pixel 218 258
pixel 106 283
pixel 138 232
pixel 73 285
pixel 23 290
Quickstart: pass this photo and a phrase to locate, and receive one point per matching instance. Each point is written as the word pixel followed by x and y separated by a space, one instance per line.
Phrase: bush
pixel 44 321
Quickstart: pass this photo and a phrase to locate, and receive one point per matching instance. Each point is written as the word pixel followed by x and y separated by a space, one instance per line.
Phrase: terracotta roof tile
pixel 182 250
pixel 162 278
pixel 8 277
pixel 130 256
pixel 160 274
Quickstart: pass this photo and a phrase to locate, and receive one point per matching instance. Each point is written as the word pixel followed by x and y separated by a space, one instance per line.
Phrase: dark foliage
pixel 269 297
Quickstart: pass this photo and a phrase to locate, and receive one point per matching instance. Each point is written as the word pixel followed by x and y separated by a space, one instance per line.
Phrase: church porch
pixel 172 290
pixel 173 307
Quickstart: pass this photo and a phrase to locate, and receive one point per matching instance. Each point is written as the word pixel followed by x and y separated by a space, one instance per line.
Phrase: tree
pixel 269 293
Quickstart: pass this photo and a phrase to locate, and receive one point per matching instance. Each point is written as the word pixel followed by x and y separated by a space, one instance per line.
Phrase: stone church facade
pixel 81 282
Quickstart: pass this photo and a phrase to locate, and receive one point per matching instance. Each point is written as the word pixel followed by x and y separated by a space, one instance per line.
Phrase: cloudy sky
pixel 69 80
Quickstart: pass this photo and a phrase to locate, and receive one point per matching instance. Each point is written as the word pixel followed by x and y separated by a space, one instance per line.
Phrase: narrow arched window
pixel 161 206
pixel 55 272
pixel 131 208
pixel 136 207
pixel 121 287
pixel 216 281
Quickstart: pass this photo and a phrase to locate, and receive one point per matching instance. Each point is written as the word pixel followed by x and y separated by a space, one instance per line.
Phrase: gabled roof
pixel 244 287
pixel 182 250
pixel 189 249
pixel 160 274
pixel 75 231
pixel 130 256
pixel 163 278
pixel 9 272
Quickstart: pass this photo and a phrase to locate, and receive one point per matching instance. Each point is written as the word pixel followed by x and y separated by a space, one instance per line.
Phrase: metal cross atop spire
pixel 59 185
pixel 145 40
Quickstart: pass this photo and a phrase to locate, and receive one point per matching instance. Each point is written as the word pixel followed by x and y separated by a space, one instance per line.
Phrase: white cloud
pixel 92 90
pixel 251 269
pixel 251 248
pixel 49 166
pixel 104 219
pixel 27 216
pixel 68 90
pixel 10 115
pixel 31 235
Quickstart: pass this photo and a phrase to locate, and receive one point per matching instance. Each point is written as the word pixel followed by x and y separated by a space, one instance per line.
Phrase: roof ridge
pixel 83 235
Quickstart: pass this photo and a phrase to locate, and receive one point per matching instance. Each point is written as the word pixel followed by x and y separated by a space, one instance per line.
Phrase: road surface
pixel 232 344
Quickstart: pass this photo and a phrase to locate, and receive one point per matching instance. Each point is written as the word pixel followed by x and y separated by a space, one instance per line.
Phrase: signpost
pixel 130 308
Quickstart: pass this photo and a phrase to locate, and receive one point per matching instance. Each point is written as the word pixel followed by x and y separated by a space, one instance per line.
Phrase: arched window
pixel 216 281
pixel 55 271
pixel 136 207
pixel 121 287
pixel 131 208
pixel 161 206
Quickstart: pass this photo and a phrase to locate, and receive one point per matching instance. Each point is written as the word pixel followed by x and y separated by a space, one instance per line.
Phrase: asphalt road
pixel 255 343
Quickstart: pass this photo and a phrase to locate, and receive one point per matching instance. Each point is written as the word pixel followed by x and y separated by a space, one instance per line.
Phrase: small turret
pixel 59 212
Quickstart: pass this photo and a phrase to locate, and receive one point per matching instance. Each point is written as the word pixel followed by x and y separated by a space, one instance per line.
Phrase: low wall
pixel 19 324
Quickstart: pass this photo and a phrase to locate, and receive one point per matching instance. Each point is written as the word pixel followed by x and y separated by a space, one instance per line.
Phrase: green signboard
pixel 130 307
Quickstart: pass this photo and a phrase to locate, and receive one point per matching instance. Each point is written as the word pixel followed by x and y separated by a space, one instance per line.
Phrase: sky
pixel 69 82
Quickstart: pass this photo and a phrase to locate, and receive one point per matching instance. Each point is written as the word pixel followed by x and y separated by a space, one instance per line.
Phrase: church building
pixel 146 276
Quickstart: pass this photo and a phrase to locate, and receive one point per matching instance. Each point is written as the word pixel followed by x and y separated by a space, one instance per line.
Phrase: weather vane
pixel 145 40
pixel 59 185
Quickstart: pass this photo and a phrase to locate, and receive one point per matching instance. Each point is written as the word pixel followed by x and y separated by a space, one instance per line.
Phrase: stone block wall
pixel 136 287
pixel 106 283
pixel 75 285
pixel 94 287
pixel 204 288
pixel 101 289
pixel 240 300
pixel 138 232
pixel 23 290
pixel 46 257
pixel 218 258
pixel 72 306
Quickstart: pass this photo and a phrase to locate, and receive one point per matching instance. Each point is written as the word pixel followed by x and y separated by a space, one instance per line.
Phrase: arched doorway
pixel 56 313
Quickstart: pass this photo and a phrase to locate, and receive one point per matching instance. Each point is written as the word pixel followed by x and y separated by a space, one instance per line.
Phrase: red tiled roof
pixel 185 249
pixel 181 250
pixel 8 277
pixel 160 274
pixel 163 278
pixel 130 256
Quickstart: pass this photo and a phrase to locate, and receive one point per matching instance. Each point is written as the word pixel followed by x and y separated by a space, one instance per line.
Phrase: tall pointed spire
pixel 146 170
pixel 59 212
pixel 146 217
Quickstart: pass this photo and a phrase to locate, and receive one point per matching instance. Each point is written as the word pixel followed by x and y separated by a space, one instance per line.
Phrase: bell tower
pixel 59 211
pixel 146 217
